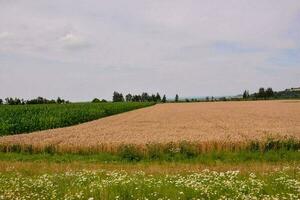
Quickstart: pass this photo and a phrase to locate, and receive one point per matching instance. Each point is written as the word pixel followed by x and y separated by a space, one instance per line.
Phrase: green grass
pixel 28 118
pixel 117 184
pixel 205 158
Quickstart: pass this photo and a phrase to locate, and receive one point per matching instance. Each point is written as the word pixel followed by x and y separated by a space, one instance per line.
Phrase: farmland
pixel 209 150
pixel 29 118
pixel 220 125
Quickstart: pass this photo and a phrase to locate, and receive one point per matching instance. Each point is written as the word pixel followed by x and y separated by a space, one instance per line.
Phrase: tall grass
pixel 275 149
pixel 29 118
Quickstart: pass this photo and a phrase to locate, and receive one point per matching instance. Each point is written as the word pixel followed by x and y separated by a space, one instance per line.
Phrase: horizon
pixel 83 50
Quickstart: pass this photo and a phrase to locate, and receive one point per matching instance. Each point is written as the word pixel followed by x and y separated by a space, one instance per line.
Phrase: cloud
pixel 188 47
pixel 4 35
pixel 72 41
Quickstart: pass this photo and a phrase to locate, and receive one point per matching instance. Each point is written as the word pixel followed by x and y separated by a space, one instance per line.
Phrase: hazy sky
pixel 88 48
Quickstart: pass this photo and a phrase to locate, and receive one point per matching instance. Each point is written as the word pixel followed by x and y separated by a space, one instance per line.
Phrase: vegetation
pixel 28 118
pixel 118 184
pixel 144 97
pixel 38 100
pixel 175 151
pixel 176 98
pixel 132 155
pixel 270 94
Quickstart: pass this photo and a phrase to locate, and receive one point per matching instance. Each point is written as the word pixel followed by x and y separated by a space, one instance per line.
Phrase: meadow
pixel 28 118
pixel 119 184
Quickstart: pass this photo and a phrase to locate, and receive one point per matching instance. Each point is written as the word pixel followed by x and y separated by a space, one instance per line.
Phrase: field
pixel 29 118
pixel 211 150
pixel 216 125
pixel 104 184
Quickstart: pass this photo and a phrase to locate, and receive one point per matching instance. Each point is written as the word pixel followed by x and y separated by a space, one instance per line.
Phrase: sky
pixel 81 49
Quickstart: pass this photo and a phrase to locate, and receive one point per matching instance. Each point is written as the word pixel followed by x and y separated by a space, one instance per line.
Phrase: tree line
pixel 261 94
pixel 38 100
pixel 144 97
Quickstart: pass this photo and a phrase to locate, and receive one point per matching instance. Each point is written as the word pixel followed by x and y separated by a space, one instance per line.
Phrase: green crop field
pixel 29 118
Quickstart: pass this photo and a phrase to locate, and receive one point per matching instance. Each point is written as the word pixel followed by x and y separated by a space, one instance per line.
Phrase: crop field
pixel 29 118
pixel 211 150
pixel 207 125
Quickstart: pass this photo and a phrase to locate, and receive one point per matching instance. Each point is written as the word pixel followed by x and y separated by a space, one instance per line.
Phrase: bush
pixel 130 153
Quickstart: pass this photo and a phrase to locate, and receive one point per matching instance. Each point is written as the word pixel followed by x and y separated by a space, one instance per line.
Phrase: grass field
pixel 119 184
pixel 29 118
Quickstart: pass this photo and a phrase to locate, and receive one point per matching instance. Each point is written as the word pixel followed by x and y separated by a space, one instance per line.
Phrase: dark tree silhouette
pixel 261 92
pixel 176 98
pixel 246 94
pixel 269 93
pixel 128 97
pixel 118 97
pixel 164 99
pixel 158 98
pixel 95 100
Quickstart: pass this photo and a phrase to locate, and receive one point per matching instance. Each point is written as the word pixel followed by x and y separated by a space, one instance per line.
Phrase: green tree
pixel 128 97
pixel 176 98
pixel 269 93
pixel 118 97
pixel 95 100
pixel 145 96
pixel 158 98
pixel 261 93
pixel 164 99
pixel 246 94
pixel 1 101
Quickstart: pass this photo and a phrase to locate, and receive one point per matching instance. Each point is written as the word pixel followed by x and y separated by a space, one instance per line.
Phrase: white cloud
pixel 161 41
pixel 4 35
pixel 72 41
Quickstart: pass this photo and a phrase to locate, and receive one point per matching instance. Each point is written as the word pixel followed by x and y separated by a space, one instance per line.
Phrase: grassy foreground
pixel 28 118
pixel 273 174
pixel 119 184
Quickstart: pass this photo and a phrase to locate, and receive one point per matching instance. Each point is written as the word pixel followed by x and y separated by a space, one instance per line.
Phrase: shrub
pixel 130 153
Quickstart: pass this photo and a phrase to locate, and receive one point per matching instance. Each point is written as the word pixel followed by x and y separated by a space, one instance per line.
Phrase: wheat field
pixel 203 123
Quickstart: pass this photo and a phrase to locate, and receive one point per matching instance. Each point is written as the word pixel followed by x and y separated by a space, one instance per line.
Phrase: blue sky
pixel 84 49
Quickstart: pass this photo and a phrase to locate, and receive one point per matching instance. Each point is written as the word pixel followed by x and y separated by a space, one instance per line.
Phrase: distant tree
pixel 261 93
pixel 145 96
pixel 158 98
pixel 40 100
pixel 212 98
pixel 176 98
pixel 1 101
pixel 60 101
pixel 152 98
pixel 269 93
pixel 103 101
pixel 223 99
pixel 95 100
pixel 128 97
pixel 207 99
pixel 164 99
pixel 246 94
pixel 187 100
pixel 118 97
pixel 15 101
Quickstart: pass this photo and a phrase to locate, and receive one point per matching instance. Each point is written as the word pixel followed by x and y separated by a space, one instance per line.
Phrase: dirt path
pixel 163 123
